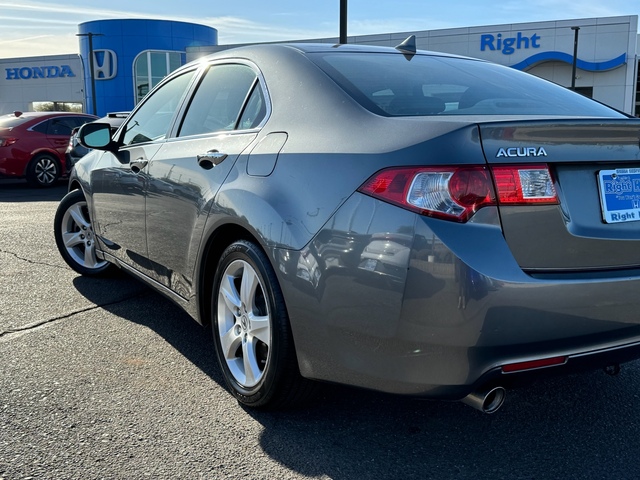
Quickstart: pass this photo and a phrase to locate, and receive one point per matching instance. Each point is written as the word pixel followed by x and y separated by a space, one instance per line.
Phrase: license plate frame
pixel 619 190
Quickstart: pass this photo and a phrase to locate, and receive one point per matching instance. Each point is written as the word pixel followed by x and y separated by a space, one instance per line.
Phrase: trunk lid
pixel 595 167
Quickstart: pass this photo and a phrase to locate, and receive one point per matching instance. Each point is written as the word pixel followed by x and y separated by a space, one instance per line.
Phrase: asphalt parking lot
pixel 107 379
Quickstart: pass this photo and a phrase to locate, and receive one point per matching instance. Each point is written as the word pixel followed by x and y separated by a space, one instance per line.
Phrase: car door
pixel 120 181
pixel 219 123
pixel 58 133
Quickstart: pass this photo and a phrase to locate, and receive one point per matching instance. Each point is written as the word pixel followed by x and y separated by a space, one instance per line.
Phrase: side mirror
pixel 95 135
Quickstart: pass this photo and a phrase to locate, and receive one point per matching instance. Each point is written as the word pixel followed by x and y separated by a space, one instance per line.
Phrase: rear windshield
pixel 393 85
pixel 10 121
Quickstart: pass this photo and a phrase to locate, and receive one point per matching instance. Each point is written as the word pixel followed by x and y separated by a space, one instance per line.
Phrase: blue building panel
pixel 117 43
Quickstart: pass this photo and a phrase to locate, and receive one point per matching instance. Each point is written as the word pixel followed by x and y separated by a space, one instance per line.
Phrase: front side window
pixel 219 100
pixel 152 120
pixel 389 84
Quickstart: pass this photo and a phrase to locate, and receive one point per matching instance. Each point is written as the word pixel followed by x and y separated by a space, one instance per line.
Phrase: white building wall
pixel 54 78
pixel 599 40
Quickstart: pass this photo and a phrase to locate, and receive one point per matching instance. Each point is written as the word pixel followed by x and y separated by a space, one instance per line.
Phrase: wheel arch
pixel 49 177
pixel 214 246
pixel 75 185
pixel 44 151
pixel 78 183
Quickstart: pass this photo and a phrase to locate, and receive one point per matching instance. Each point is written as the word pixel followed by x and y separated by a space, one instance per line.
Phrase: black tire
pixel 251 331
pixel 43 171
pixel 74 236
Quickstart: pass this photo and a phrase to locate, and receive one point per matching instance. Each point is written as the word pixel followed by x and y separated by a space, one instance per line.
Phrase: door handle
pixel 137 165
pixel 211 159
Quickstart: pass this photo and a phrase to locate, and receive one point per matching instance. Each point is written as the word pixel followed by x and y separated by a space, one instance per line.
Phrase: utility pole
pixel 575 57
pixel 343 21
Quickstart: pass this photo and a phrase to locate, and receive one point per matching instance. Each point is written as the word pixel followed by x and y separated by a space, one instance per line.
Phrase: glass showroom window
pixel 150 67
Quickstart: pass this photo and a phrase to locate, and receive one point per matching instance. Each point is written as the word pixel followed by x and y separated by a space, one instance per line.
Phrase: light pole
pixel 343 21
pixel 575 57
pixel 90 36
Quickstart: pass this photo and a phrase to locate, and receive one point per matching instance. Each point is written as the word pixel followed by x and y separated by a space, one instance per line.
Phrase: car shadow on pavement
pixel 582 426
pixel 548 430
pixel 126 297
pixel 18 190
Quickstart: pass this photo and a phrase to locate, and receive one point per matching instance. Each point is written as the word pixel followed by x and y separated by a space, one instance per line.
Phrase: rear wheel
pixel 74 235
pixel 251 331
pixel 43 171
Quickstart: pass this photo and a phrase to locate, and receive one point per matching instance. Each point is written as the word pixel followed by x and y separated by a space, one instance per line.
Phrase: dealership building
pixel 128 57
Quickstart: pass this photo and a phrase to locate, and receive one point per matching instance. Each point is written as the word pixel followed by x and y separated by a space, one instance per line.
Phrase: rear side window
pixel 42 127
pixel 218 102
pixel 255 110
pixel 60 125
pixel 64 125
pixel 391 85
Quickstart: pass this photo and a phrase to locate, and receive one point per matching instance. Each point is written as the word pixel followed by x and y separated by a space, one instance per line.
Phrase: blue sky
pixel 30 28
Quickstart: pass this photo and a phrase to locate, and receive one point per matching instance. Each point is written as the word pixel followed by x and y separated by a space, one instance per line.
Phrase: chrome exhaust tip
pixel 487 401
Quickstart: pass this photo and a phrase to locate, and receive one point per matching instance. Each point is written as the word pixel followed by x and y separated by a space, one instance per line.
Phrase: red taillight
pixel 524 184
pixel 456 193
pixel 6 142
pixel 452 193
pixel 533 364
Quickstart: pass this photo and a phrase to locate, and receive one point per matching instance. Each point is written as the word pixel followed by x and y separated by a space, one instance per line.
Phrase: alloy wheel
pixel 244 323
pixel 78 237
pixel 46 171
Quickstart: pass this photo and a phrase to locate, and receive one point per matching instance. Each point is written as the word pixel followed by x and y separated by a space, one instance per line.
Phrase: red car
pixel 33 144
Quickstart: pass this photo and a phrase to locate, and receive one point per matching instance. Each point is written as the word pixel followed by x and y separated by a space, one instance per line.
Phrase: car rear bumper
pixel 10 167
pixel 578 362
pixel 458 312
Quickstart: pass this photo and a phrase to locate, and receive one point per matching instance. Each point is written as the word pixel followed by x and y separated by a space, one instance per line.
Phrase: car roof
pixel 312 48
pixel 350 47
pixel 30 116
pixel 44 114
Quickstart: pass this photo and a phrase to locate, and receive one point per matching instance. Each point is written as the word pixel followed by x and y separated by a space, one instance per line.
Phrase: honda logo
pixel 105 64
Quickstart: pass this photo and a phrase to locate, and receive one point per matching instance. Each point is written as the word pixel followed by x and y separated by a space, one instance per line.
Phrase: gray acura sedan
pixel 398 220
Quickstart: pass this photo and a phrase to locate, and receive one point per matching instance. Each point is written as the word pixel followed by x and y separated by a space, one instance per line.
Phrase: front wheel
pixel 251 331
pixel 74 235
